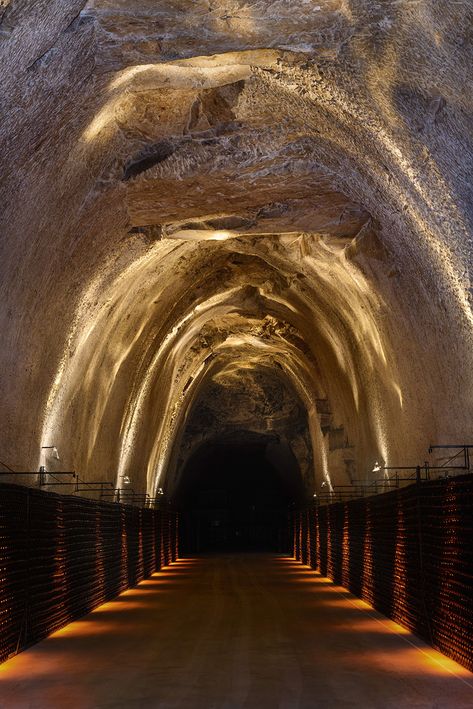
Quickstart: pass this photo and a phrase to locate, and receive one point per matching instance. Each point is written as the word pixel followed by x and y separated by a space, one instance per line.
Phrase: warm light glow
pixel 169 371
pixel 201 235
pixel 155 77
pixel 431 660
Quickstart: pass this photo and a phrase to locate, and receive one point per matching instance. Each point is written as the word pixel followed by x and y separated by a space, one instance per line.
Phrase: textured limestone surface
pixel 232 216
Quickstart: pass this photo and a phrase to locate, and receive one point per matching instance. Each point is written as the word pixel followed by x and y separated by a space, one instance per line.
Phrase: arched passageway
pixel 211 190
pixel 235 281
pixel 233 497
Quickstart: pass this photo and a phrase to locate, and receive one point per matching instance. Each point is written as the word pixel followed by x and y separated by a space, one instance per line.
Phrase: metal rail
pixel 41 475
pixel 419 473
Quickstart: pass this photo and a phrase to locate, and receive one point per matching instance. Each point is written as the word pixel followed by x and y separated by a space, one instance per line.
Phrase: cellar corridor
pixel 236 308
pixel 235 497
pixel 256 631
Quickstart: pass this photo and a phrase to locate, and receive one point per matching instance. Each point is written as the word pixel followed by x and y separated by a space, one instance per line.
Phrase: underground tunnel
pixel 236 316
pixel 235 499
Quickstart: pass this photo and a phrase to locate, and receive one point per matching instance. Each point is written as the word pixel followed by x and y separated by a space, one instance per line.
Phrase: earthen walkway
pixel 255 631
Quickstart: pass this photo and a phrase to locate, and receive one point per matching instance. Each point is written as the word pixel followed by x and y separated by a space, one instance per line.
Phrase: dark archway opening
pixel 236 496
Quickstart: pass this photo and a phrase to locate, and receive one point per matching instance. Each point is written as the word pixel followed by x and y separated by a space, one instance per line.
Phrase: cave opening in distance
pixel 235 494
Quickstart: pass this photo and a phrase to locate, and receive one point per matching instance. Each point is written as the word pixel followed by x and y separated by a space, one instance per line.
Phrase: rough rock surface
pixel 207 202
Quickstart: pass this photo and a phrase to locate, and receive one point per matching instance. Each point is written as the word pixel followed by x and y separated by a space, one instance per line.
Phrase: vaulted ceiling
pixel 232 216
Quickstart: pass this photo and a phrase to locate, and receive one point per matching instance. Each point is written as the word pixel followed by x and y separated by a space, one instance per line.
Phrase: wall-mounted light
pixel 160 491
pixel 55 452
pixel 376 468
pixel 126 479
pixel 202 234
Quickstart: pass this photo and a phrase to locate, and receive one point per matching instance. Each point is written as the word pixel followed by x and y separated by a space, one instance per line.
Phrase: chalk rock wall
pixel 199 196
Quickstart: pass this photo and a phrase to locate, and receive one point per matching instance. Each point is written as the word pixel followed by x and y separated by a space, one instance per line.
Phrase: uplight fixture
pixel 55 452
